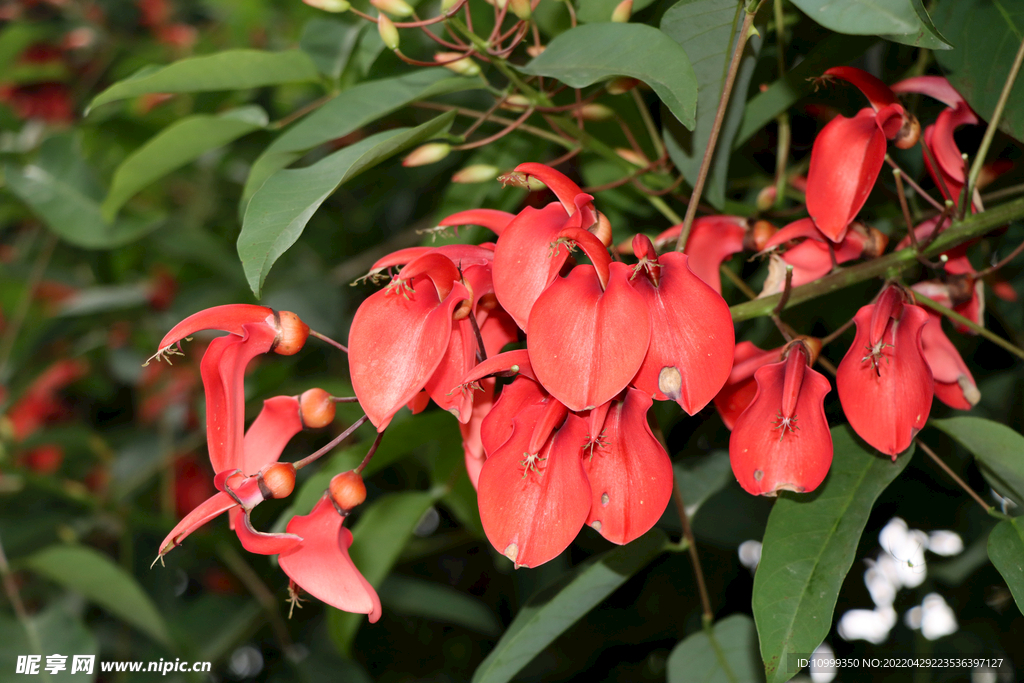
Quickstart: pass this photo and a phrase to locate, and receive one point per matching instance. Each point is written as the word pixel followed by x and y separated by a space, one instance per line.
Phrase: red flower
pixel 781 442
pixel 884 382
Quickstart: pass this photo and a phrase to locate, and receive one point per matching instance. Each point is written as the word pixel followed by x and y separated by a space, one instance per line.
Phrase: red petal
pixel 766 455
pixel 887 401
pixel 712 240
pixel 565 189
pixel 258 542
pixel 954 383
pixel 524 262
pixel 845 161
pixel 586 345
pixel 270 432
pixel 514 399
pixel 466 254
pixel 630 477
pixel 472 440
pixel 395 344
pixel 504 364
pixel 321 566
pixel 877 92
pixel 691 344
pixel 203 513
pixel 740 389
pixel 532 515
pixel 223 371
pixel 444 385
pixel 493 220
pixel 936 87
pixel 230 318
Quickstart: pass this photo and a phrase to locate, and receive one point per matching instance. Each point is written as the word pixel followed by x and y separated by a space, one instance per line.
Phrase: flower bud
pixel 631 156
pixel 330 5
pixel 477 173
pixel 316 408
pixel 291 333
pixel 446 5
pixel 909 133
pixel 535 50
pixel 622 12
pixel 463 66
pixel 620 85
pixel 277 480
pixel 596 112
pixel 758 235
pixel 521 8
pixel 347 491
pixel 766 198
pixel 429 153
pixel 602 229
pixel 388 32
pixel 396 8
pixel 515 103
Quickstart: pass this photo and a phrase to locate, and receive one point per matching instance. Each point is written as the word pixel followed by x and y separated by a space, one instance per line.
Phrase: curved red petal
pixel 886 389
pixel 321 566
pixel 845 161
pixel 492 219
pixel 466 254
pixel 954 383
pixel 516 397
pixel 691 344
pixel 877 92
pixel 531 511
pixel 472 439
pixel 229 318
pixel 396 341
pixel 444 385
pixel 768 454
pixel 524 261
pixel 212 507
pixel 630 476
pixel 270 432
pixel 712 240
pixel 223 373
pixel 586 345
pixel 258 542
pixel 565 189
pixel 936 87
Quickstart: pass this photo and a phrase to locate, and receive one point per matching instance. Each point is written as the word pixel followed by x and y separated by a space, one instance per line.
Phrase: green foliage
pixel 997 448
pixel 809 547
pixel 904 21
pixel 1006 549
pixel 724 653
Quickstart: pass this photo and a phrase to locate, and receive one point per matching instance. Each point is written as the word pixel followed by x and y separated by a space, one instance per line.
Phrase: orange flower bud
pixel 291 333
pixel 330 5
pixel 316 408
pixel 347 490
pixel 277 480
pixel 429 153
pixel 620 85
pixel 477 173
pixel 396 8
pixel 464 66
pixel 622 12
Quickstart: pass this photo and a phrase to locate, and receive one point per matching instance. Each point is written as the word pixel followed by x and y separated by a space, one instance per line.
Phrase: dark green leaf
pixel 58 192
pixel 175 146
pixel 699 478
pixel 808 549
pixel 550 612
pixel 330 43
pixel 95 576
pixel 727 655
pixel 278 212
pixel 895 19
pixel 348 112
pixel 1006 548
pixel 416 597
pixel 997 448
pixel 228 70
pixel 590 11
pixel 987 34
pixel 594 52
pixel 377 541
pixel 835 50
pixel 708 30
pixel 61 631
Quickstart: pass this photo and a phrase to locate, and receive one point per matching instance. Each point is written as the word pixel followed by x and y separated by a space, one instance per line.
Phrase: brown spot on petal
pixel 758 475
pixel 670 382
pixel 511 552
pixel 596 524
pixel 604 499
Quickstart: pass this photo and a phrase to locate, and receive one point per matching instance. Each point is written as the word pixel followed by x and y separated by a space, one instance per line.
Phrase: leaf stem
pixel 990 131
pixel 313 457
pixel 324 337
pixel 723 103
pixel 945 468
pixel 698 573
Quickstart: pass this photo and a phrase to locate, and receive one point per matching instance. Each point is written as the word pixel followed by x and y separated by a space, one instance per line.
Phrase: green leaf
pixel 997 448
pixel 699 478
pixel 708 29
pixel 61 189
pixel 278 212
pixel 835 50
pixel 987 34
pixel 330 43
pixel 175 146
pixel 594 52
pixel 416 597
pixel 897 20
pixel 349 111
pixel 808 549
pixel 377 541
pixel 590 11
pixel 15 37
pixel 1006 549
pixel 726 655
pixel 227 70
pixel 551 611
pixel 95 576
pixel 61 631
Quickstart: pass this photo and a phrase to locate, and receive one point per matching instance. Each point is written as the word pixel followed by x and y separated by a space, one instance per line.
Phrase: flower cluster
pixel 566 442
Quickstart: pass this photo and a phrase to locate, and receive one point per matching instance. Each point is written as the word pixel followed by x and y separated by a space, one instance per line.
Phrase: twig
pixel 723 103
pixel 917 188
pixel 1002 262
pixel 324 337
pixel 698 573
pixel 955 477
pixel 953 315
pixel 313 457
